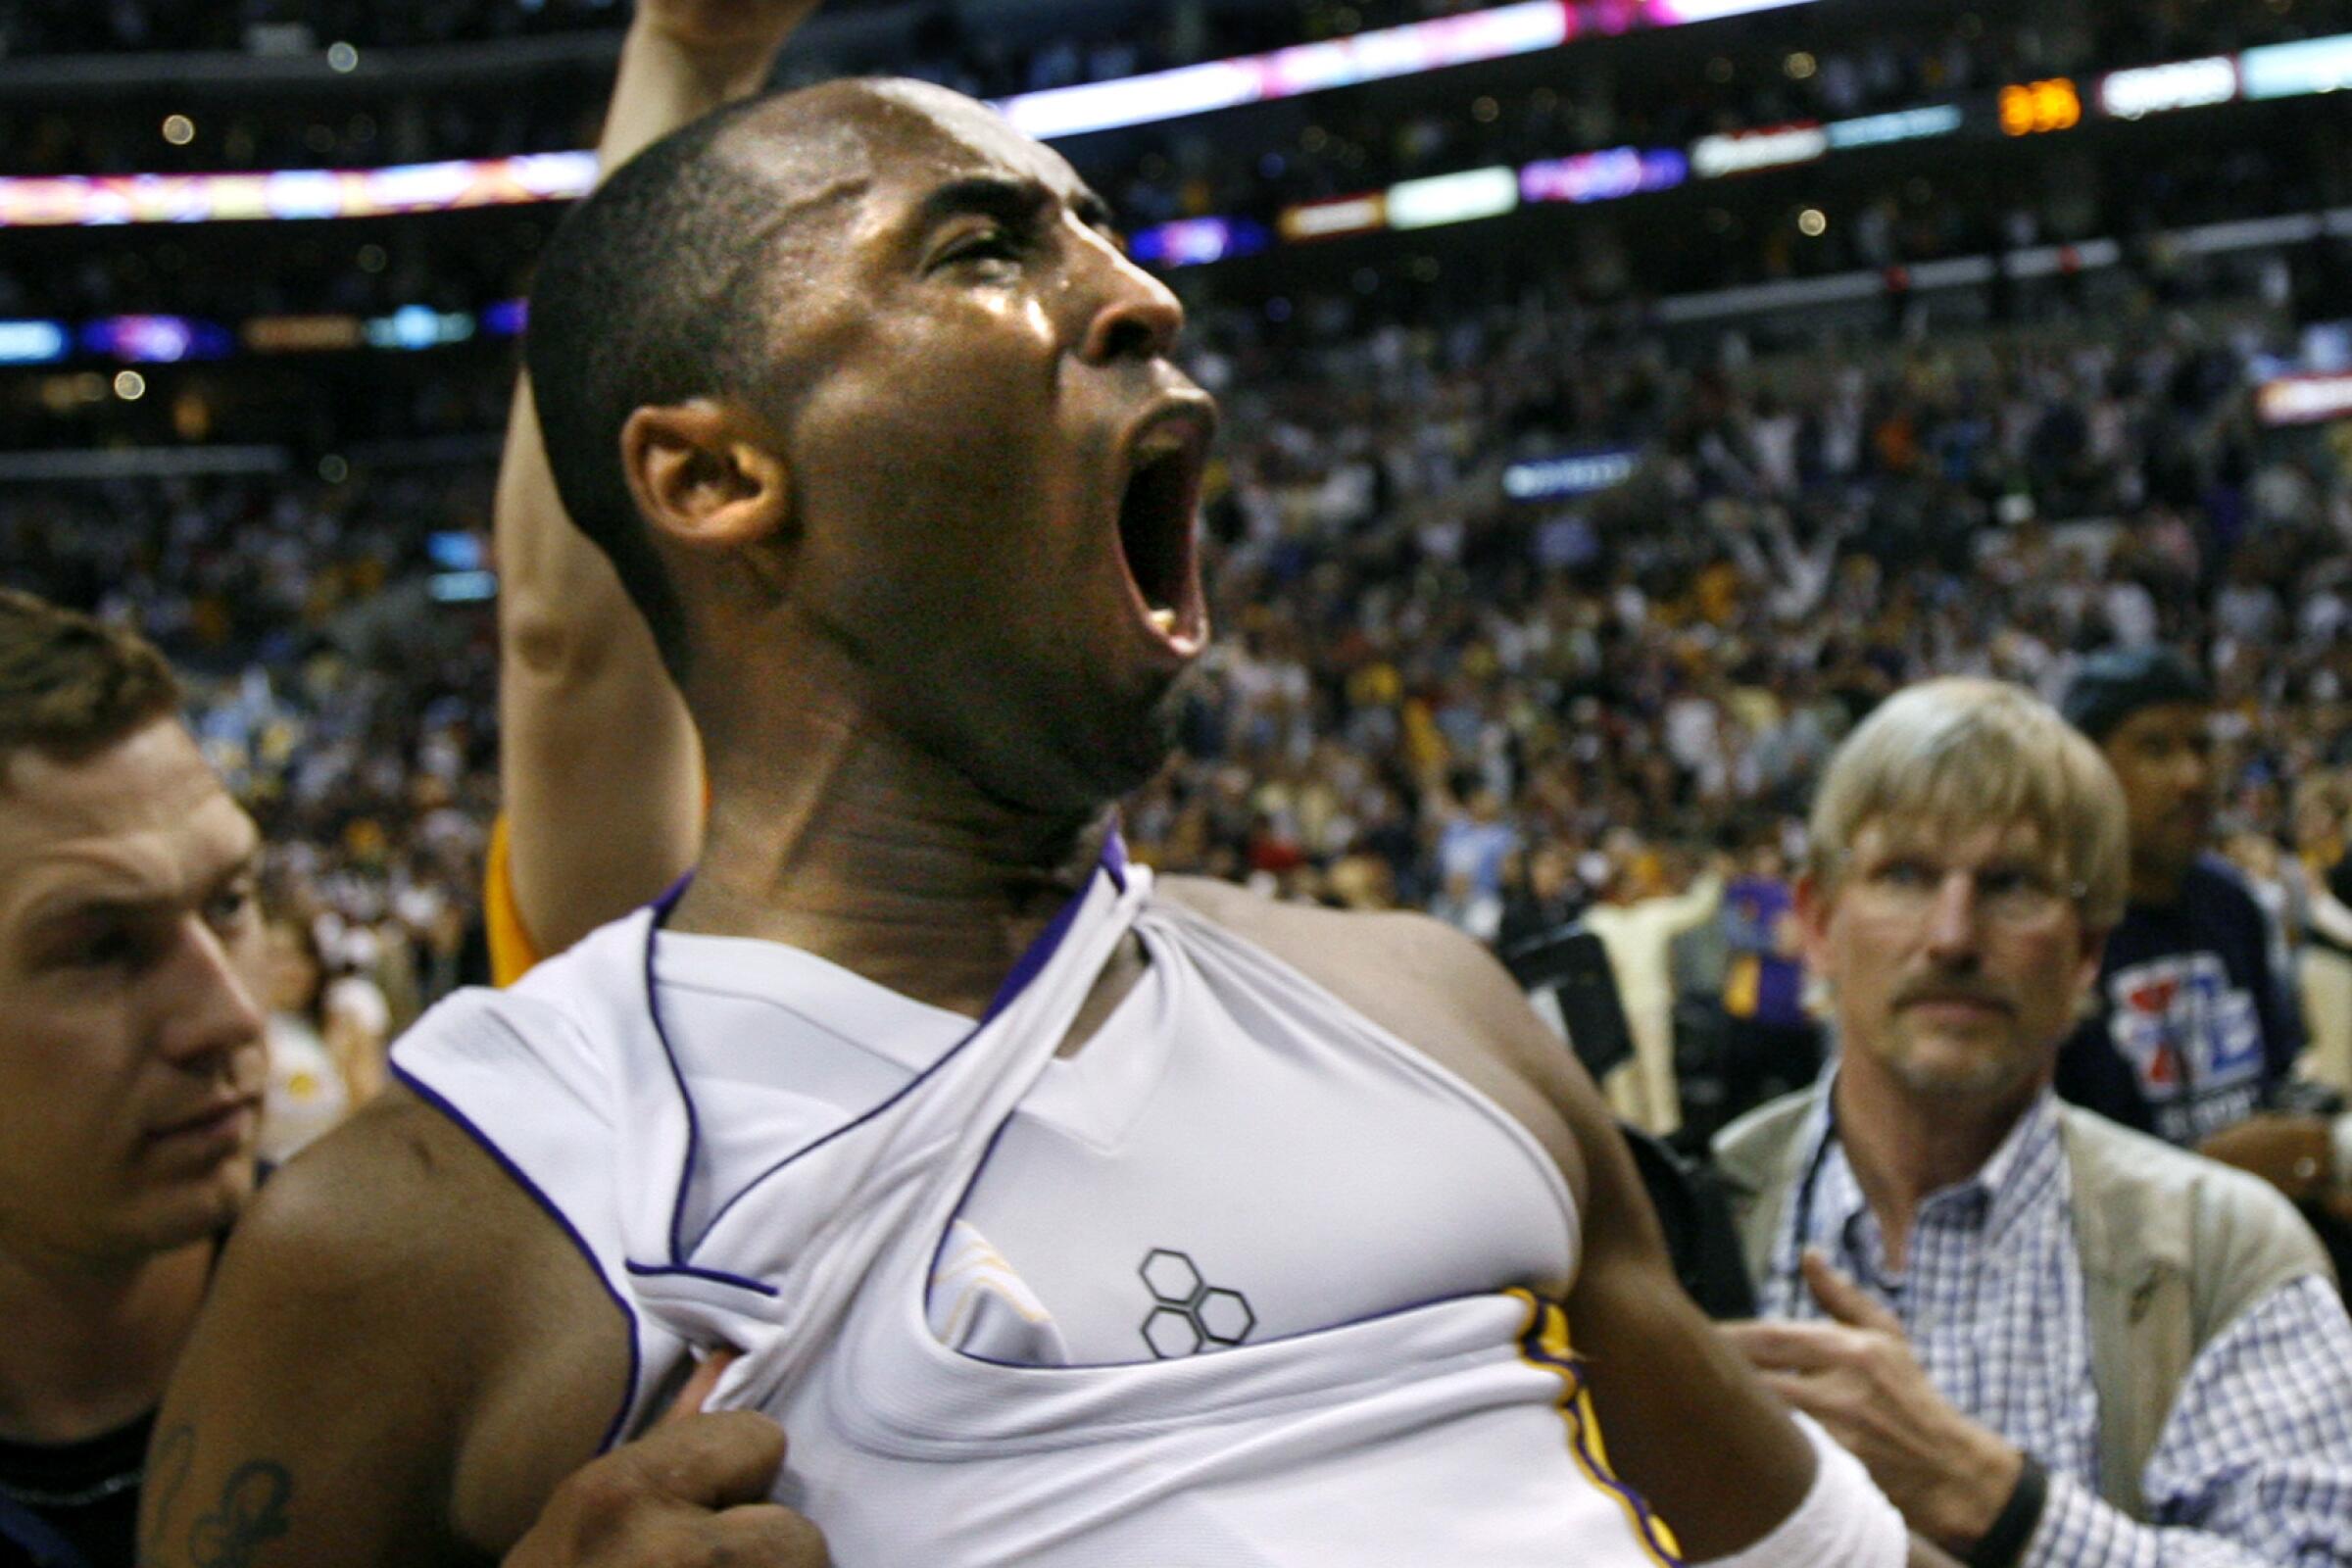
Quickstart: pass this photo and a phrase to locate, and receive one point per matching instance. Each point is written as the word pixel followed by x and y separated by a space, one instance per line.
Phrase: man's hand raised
pixel 1858 1377
pixel 692 1491
pixel 712 26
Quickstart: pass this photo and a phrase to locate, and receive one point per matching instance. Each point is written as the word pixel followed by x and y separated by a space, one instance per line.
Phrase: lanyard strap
pixel 36 1536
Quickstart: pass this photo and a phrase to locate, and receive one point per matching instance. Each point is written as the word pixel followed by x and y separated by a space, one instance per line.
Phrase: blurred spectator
pixel 2321 816
pixel 326 1042
pixel 1772 1043
pixel 1543 895
pixel 1641 909
pixel 2193 1026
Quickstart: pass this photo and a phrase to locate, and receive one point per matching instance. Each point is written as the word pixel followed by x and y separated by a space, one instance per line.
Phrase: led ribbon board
pixel 2161 89
pixel 1497 34
pixel 1403 51
pixel 293 193
pixel 1572 473
pixel 2293 70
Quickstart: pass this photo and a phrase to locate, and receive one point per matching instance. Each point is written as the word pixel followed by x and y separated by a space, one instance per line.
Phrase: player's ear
pixel 704 474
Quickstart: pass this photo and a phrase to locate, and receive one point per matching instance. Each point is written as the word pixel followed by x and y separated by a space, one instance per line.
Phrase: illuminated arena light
pixel 1497 34
pixel 1402 51
pixel 1603 177
pixel 1347 214
pixel 2304 399
pixel 1453 198
pixel 1743 151
pixel 34 342
pixel 1197 241
pixel 156 339
pixel 2293 70
pixel 1573 474
pixel 2162 89
pixel 293 193
pixel 2314 66
pixel 1902 125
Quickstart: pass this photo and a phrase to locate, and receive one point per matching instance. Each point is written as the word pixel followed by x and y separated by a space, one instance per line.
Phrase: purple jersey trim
pixel 1573 1369
pixel 1030 965
pixel 1114 857
pixel 663 908
pixel 714 1276
pixel 434 1099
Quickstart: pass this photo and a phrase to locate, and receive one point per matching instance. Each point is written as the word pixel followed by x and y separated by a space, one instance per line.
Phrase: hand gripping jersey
pixel 1346 1371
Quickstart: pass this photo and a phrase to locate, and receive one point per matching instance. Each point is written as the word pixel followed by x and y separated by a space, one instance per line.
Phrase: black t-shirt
pixel 86 1493
pixel 2193 1028
pixel 81 1496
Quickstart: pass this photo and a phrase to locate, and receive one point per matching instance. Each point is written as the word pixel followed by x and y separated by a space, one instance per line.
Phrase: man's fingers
pixel 716 1460
pixel 774 1537
pixel 695 1393
pixel 1798 1392
pixel 1791 1346
pixel 1842 1298
pixel 694 1490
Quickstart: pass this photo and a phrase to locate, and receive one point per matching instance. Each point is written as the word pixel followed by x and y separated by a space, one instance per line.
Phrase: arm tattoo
pixel 251 1515
pixel 167 1471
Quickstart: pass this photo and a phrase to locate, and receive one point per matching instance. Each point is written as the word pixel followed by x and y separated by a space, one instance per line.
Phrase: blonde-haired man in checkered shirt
pixel 2053 1341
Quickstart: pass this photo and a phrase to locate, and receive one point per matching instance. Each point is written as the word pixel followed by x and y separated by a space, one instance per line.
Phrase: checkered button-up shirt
pixel 2254 1465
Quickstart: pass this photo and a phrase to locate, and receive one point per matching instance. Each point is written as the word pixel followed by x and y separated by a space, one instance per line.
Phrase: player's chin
pixel 1136 730
pixel 1138 747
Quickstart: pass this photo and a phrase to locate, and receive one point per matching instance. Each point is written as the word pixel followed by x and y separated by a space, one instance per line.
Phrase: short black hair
pixel 637 303
pixel 2117 682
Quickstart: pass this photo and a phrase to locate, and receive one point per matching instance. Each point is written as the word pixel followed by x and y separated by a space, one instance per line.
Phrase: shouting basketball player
pixel 1057 1214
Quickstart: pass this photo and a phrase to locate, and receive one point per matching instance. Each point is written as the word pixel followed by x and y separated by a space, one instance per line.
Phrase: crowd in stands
pixel 1901 216
pixel 1428 693
pixel 463 263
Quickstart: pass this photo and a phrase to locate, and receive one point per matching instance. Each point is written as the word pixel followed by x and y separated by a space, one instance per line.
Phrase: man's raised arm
pixel 599 767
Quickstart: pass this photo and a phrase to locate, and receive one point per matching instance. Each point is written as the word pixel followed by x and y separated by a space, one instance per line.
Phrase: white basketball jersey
pixel 1245 1288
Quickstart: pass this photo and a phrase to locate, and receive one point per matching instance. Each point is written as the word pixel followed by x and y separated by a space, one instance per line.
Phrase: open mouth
pixel 1158 508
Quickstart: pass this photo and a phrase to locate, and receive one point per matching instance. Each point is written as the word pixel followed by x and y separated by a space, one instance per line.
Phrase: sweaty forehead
pixel 898 136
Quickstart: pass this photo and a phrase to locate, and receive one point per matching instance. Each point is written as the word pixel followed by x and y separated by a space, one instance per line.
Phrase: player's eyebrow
pixel 1013 202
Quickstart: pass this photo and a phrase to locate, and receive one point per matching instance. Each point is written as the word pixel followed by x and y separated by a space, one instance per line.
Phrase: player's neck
pixel 89 1345
pixel 1903 1147
pixel 863 849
